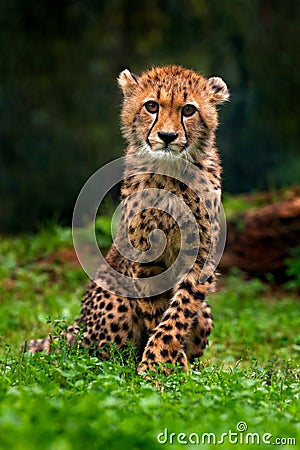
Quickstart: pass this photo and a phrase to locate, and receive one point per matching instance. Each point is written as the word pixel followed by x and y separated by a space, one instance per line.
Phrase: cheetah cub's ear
pixel 128 82
pixel 217 90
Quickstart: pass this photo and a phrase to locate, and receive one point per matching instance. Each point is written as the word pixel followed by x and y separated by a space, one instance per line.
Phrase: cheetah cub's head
pixel 170 110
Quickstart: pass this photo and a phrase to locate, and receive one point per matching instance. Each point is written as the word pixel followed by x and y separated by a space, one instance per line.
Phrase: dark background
pixel 59 101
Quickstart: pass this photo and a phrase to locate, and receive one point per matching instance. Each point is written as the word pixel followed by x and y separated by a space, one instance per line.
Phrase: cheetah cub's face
pixel 170 110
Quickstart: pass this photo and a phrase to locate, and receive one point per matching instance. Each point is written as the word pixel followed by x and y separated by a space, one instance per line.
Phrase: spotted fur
pixel 169 114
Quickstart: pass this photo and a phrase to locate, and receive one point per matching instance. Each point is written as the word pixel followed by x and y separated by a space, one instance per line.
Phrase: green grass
pixel 71 400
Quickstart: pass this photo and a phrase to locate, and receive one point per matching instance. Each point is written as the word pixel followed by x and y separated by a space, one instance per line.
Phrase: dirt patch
pixel 260 239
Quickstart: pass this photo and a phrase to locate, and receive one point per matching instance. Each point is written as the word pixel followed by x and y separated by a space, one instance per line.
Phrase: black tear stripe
pixel 151 128
pixel 185 132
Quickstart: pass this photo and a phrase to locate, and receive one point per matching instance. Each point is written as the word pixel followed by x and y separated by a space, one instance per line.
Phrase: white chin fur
pixel 165 154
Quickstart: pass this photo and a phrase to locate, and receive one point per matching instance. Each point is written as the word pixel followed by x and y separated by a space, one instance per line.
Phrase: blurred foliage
pixel 293 269
pixel 59 103
pixel 237 205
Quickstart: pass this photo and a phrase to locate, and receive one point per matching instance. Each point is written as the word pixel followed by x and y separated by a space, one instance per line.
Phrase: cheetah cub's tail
pixel 46 344
pixel 37 345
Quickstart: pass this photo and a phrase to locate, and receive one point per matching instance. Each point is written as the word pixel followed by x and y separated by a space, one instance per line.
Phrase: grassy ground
pixel 245 390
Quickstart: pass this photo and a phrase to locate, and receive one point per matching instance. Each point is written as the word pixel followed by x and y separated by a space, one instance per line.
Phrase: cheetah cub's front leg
pixel 183 331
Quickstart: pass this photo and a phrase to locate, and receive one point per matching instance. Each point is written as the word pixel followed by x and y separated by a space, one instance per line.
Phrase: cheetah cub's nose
pixel 167 137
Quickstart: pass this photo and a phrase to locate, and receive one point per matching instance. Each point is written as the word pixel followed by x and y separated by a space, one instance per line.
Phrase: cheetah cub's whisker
pixel 169 119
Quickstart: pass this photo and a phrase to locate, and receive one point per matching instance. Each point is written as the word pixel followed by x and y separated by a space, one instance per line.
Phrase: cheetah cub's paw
pixel 161 364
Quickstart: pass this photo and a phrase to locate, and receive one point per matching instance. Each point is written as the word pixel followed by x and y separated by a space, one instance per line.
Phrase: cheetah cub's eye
pixel 188 110
pixel 151 107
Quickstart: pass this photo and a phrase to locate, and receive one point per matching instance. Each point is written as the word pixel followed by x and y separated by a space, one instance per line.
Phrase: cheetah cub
pixel 169 120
